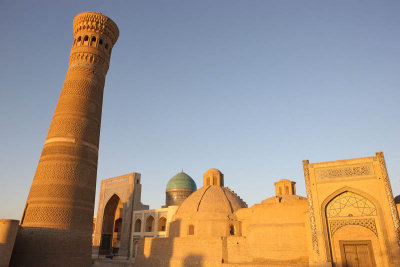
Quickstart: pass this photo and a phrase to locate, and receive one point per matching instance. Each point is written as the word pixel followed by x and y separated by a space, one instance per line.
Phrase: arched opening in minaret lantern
pixel 112 226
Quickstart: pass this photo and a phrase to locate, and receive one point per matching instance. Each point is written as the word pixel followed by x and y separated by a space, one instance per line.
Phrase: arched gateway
pixel 113 226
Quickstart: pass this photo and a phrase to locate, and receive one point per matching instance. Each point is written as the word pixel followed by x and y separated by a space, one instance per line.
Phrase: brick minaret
pixel 56 226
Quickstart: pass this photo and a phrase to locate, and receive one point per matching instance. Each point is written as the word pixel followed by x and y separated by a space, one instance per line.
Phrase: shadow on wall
pixel 193 260
pixel 155 252
pixel 63 247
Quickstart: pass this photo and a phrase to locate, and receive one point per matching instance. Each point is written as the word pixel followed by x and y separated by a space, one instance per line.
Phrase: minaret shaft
pixel 56 226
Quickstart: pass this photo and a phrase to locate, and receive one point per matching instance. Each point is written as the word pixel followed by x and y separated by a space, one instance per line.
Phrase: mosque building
pixel 349 218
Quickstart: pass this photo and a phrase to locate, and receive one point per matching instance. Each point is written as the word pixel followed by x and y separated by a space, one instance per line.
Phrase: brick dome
pixel 210 202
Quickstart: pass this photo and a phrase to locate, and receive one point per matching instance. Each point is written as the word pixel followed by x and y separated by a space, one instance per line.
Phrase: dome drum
pixel 175 197
pixel 205 228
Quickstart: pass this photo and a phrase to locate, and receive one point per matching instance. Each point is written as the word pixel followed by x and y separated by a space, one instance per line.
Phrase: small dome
pixel 181 181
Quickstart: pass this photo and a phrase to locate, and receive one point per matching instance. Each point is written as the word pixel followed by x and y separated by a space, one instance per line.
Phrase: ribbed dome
pixel 210 202
pixel 181 181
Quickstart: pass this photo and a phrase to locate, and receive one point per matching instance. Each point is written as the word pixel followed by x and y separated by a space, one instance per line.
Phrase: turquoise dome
pixel 181 181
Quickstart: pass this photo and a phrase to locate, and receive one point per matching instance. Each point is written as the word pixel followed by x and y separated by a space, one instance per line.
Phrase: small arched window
pixel 106 47
pixel 118 225
pixel 162 222
pixel 232 230
pixel 191 230
pixel 138 225
pixel 86 40
pixel 150 224
pixel 93 41
pixel 100 41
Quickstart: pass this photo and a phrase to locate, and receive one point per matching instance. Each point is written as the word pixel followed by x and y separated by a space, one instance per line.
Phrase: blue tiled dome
pixel 181 181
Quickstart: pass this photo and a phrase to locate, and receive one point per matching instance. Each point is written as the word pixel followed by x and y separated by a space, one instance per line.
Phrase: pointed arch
pixel 112 222
pixel 162 224
pixel 138 225
pixel 349 204
pixel 336 194
pixel 150 224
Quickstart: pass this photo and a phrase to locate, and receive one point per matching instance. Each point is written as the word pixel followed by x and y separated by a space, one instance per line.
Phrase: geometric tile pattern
pixel 334 225
pixel 389 194
pixel 314 236
pixel 345 172
pixel 349 204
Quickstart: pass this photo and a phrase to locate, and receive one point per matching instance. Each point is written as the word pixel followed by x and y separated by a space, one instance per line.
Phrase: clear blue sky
pixel 249 87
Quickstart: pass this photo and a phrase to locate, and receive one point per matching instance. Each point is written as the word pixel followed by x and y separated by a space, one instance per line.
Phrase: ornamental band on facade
pixel 389 194
pixel 311 207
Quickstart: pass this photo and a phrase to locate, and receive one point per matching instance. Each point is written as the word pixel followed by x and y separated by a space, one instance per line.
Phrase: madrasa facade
pixel 348 218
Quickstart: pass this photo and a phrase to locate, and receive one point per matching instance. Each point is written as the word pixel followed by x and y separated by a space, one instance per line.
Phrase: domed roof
pixel 181 181
pixel 210 202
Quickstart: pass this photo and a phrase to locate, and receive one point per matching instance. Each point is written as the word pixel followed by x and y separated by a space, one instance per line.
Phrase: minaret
pixel 57 223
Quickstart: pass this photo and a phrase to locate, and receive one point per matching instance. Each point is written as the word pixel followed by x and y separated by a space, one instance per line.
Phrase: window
pixel 118 225
pixel 138 225
pixel 86 40
pixel 162 222
pixel 191 230
pixel 150 224
pixel 232 230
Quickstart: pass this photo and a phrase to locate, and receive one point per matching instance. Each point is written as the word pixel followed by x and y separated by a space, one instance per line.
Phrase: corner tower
pixel 57 222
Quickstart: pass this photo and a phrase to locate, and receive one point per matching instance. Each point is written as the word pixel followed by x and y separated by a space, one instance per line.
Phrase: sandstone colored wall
pixel 174 252
pixel 275 231
pixel 8 232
